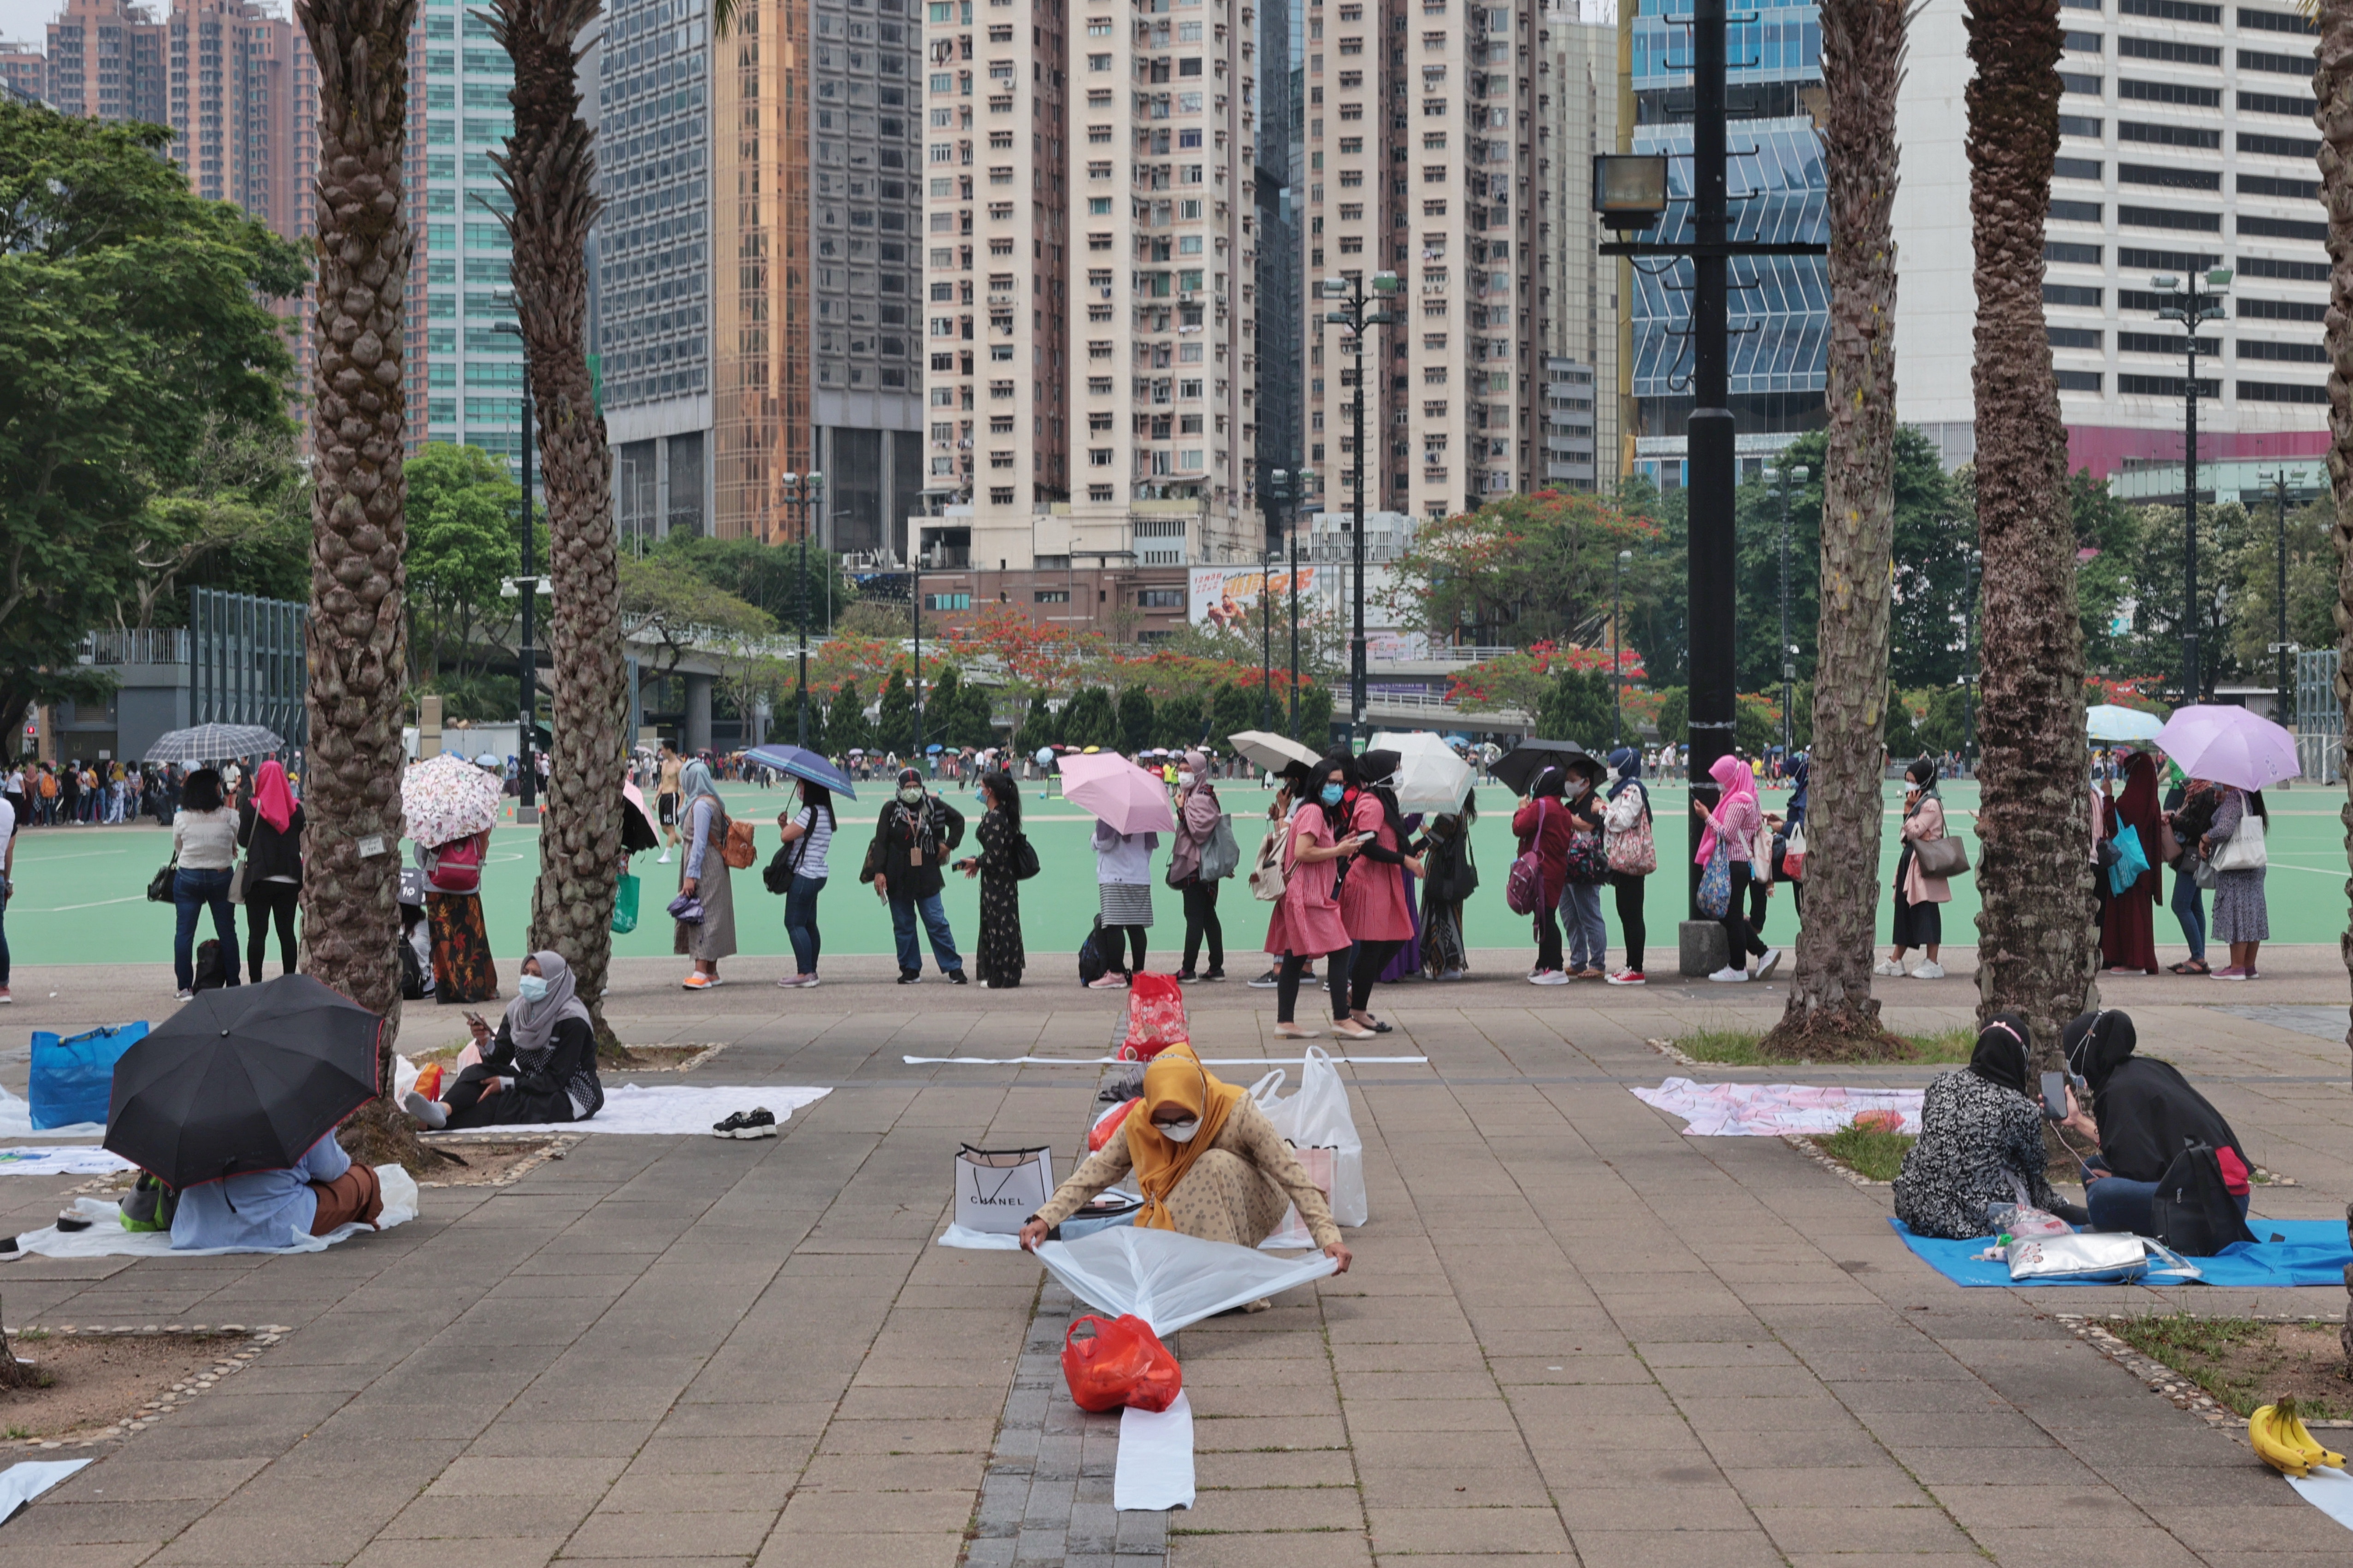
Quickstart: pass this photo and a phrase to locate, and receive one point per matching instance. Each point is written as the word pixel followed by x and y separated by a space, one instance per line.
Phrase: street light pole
pixel 2281 648
pixel 1617 659
pixel 1356 314
pixel 1291 520
pixel 802 493
pixel 526 799
pixel 1789 659
pixel 2190 302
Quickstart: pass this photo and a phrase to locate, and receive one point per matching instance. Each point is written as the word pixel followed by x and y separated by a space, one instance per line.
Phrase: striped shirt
pixel 812 861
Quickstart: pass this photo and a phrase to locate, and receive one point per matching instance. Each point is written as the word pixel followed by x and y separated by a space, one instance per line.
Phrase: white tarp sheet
pixel 20 1484
pixel 107 1238
pixel 1154 1468
pixel 673 1109
pixel 1168 1279
pixel 61 1160
pixel 2330 1492
pixel 1101 1061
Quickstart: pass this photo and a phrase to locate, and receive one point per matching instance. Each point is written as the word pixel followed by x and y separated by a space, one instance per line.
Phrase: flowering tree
pixel 1520 569
pixel 1519 681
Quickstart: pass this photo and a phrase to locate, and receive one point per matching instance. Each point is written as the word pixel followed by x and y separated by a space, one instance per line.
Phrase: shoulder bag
pixel 1524 884
pixel 2243 850
pixel 1633 852
pixel 159 886
pixel 1716 882
pixel 1267 878
pixel 1220 854
pixel 1947 857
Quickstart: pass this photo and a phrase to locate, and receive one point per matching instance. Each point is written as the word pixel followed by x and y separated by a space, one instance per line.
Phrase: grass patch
pixel 1869 1152
pixel 2244 1362
pixel 1737 1047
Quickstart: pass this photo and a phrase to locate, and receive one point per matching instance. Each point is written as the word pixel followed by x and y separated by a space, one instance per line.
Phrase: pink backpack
pixel 1523 888
pixel 454 867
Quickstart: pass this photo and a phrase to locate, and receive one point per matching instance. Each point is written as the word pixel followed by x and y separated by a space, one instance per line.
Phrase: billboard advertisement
pixel 1228 597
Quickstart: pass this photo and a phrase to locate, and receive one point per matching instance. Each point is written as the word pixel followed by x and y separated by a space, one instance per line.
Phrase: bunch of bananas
pixel 2281 1441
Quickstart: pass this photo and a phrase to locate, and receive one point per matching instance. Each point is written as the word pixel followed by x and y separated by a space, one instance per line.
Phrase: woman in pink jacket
pixel 1736 822
pixel 1306 923
pixel 1372 899
pixel 1197 815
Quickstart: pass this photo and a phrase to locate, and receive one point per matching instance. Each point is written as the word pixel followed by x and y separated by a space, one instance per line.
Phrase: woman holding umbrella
pixel 811 828
pixel 450 804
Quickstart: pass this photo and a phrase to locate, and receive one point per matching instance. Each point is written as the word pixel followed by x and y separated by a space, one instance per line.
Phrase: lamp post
pixel 2281 648
pixel 2191 301
pixel 801 492
pixel 1277 491
pixel 1354 313
pixel 1617 660
pixel 1785 477
pixel 915 604
pixel 1969 562
pixel 526 586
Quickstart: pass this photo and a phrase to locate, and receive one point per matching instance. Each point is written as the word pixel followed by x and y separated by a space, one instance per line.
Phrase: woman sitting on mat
pixel 1980 1143
pixel 322 1193
pixel 2143 1113
pixel 542 1067
pixel 1207 1160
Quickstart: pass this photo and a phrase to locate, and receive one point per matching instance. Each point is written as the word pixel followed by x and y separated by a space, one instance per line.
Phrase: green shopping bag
pixel 624 903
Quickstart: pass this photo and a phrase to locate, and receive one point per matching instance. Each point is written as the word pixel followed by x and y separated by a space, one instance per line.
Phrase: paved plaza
pixel 1571 1334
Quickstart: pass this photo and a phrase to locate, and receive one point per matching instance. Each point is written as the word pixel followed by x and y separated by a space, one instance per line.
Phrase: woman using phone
pixel 540 1067
pixel 1307 923
pixel 1980 1141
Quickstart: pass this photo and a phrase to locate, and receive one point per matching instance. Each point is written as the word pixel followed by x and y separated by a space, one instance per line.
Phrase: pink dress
pixel 1372 900
pixel 1306 918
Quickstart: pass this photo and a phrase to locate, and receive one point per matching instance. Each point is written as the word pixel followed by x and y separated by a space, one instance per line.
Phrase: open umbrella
pixel 240 1079
pixel 2229 745
pixel 214 743
pixel 1431 777
pixel 1111 787
pixel 803 765
pixel 446 798
pixel 2107 722
pixel 637 831
pixel 1275 753
pixel 1518 769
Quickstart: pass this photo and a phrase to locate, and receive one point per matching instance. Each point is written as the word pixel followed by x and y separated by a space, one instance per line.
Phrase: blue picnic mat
pixel 2311 1252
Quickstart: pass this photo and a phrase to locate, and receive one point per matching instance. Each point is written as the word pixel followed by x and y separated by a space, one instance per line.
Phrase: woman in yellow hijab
pixel 1207 1160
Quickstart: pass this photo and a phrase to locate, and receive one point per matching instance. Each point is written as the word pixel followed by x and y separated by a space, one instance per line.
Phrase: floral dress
pixel 1000 959
pixel 1979 1143
pixel 2241 913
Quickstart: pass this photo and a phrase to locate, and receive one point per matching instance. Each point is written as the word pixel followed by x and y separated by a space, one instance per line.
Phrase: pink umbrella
pixel 2229 745
pixel 1118 792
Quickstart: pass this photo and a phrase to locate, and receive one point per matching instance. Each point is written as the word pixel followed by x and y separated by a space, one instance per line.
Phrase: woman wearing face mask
pixel 541 1067
pixel 1734 822
pixel 1207 1162
pixel 912 839
pixel 1580 901
pixel 812 829
pixel 1372 899
pixel 1000 957
pixel 1293 787
pixel 1306 923
pixel 1919 898
pixel 1197 815
pixel 1544 825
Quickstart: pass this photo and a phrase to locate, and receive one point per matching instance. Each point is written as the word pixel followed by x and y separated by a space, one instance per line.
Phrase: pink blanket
pixel 1774 1109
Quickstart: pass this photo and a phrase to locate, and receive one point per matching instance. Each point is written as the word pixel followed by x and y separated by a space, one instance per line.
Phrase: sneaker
pixel 1930 972
pixel 1265 981
pixel 1548 977
pixel 1767 965
pixel 911 977
pixel 432 1113
pixel 1730 976
pixel 759 1122
pixel 956 977
pixel 2232 972
pixel 1214 977
pixel 186 996
pixel 1187 977
pixel 1888 967
pixel 665 858
pixel 698 981
pixel 1113 982
pixel 1628 977
pixel 5 998
pixel 1455 975
pixel 796 982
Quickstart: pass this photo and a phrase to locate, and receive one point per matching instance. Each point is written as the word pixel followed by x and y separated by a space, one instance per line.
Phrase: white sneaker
pixel 1889 967
pixel 1548 977
pixel 665 858
pixel 1930 972
pixel 1730 976
pixel 1765 964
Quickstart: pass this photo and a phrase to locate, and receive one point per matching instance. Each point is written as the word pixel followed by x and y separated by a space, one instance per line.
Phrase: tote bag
pixel 2243 850
pixel 1716 882
pixel 2132 861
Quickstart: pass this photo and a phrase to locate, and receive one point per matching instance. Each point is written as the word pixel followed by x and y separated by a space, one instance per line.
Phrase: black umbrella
pixel 240 1079
pixel 637 832
pixel 1518 768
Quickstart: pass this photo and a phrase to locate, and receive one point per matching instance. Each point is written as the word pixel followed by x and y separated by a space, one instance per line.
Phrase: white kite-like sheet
pixel 1170 1280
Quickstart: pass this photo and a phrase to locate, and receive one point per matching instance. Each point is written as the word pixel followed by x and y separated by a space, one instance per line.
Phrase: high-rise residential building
pixel 1429 154
pixel 106 61
pixel 2185 143
pixel 243 107
pixel 1779 304
pixel 24 72
pixel 1582 404
pixel 815 302
pixel 465 374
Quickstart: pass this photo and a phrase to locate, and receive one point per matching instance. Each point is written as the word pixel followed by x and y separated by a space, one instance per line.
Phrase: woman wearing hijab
pixel 1543 825
pixel 1450 876
pixel 541 1067
pixel 1306 923
pixel 1372 896
pixel 2241 916
pixel 702 818
pixel 1980 1141
pixel 1735 822
pixel 1919 898
pixel 1197 815
pixel 2127 930
pixel 2143 1113
pixel 1207 1162
pixel 1629 807
pixel 1001 956
pixel 269 831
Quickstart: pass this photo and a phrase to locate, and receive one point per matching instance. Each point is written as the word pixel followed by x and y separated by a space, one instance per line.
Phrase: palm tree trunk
pixel 2332 85
pixel 2036 949
pixel 1830 1011
pixel 549 169
pixel 357 640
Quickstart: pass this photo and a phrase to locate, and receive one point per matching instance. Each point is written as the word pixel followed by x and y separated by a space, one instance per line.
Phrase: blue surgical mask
pixel 531 987
pixel 1333 794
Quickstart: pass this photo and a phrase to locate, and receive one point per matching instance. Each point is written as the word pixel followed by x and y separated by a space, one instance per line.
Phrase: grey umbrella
pixel 214 743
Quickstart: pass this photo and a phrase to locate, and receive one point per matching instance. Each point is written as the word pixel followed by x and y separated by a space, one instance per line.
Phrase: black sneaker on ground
pixel 1186 977
pixel 956 977
pixel 1265 981
pixel 761 1122
pixel 1215 974
pixel 729 1128
pixel 911 977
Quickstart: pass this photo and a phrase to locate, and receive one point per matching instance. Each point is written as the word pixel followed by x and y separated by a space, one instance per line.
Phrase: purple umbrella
pixel 2229 745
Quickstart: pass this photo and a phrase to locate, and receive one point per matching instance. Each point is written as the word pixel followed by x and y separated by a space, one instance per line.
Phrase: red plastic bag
pixel 1108 1124
pixel 1156 1017
pixel 1123 1364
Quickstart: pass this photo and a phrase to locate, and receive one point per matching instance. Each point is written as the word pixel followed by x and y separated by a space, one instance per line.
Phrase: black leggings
pixel 1117 937
pixel 1629 917
pixel 1286 985
pixel 263 902
pixel 1372 957
pixel 1201 919
pixel 1547 937
pixel 1738 939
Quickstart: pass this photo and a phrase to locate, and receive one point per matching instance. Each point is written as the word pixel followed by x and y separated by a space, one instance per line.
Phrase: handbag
pixel 237 883
pixel 2195 1212
pixel 1633 852
pixel 2168 845
pixel 2243 850
pixel 1760 855
pixel 1221 854
pixel 1267 878
pixel 1025 857
pixel 1947 857
pixel 624 903
pixel 686 909
pixel 2132 861
pixel 1793 854
pixel 1587 862
pixel 159 886
pixel 1716 882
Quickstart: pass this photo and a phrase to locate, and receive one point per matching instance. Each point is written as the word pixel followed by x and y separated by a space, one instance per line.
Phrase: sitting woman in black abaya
pixel 541 1066
pixel 2143 1115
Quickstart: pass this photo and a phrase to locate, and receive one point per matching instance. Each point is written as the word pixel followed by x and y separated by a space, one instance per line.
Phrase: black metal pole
pixel 1617 664
pixel 1709 438
pixel 2280 705
pixel 1788 666
pixel 527 794
pixel 916 602
pixel 2191 682
pixel 1266 636
pixel 1291 524
pixel 800 615
pixel 1356 632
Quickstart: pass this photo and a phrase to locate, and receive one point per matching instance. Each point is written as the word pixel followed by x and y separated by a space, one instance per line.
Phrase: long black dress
pixel 558 1084
pixel 1001 958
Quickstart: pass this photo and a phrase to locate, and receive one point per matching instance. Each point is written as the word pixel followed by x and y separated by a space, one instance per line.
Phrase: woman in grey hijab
pixel 703 817
pixel 540 1067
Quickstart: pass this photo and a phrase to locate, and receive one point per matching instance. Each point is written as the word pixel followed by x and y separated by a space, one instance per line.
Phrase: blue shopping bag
pixel 1715 883
pixel 73 1076
pixel 2132 861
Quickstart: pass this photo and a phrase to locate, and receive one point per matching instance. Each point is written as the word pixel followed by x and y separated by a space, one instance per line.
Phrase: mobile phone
pixel 2054 1095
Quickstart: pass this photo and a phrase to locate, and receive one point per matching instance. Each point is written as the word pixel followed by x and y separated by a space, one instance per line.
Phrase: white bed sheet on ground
pixel 21 1483
pixel 2330 1492
pixel 61 1160
pixel 1154 1468
pixel 107 1238
pixel 1774 1109
pixel 16 1122
pixel 672 1109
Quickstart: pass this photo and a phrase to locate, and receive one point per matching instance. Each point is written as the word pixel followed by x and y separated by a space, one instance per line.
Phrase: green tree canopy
pixel 1090 719
pixel 461 546
pixel 1180 720
pixel 1040 729
pixel 845 723
pixel 894 718
pixel 767 576
pixel 1576 707
pixel 1136 719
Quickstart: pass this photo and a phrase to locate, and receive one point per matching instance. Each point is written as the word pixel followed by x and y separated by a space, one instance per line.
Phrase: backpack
pixel 1092 965
pixel 2196 1214
pixel 455 866
pixel 1266 878
pixel 211 958
pixel 740 848
pixel 149 1204
pixel 1588 863
pixel 1523 887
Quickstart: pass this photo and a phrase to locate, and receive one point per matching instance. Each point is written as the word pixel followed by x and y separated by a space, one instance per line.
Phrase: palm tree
pixel 549 170
pixel 2036 951
pixel 1829 995
pixel 357 641
pixel 2332 85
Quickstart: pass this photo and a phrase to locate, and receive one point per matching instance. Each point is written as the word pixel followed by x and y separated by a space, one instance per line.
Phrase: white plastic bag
pixel 1317 1116
pixel 1170 1280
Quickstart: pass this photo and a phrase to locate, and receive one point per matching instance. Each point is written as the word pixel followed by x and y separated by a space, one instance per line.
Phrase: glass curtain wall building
pixel 1780 305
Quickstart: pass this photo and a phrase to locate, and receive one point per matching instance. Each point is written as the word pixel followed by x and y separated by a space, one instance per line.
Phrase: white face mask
pixel 911 795
pixel 1180 1131
pixel 1184 781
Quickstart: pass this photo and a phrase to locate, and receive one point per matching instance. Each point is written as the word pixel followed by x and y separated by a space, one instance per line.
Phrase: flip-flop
pixel 2191 968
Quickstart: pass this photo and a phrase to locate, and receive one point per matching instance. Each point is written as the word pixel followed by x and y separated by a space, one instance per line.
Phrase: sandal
pixel 2192 966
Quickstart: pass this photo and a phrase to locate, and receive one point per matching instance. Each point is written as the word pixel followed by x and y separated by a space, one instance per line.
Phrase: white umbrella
pixel 1271 752
pixel 1431 777
pixel 2107 722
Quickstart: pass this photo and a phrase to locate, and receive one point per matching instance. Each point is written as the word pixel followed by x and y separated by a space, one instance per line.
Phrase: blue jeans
pixel 935 924
pixel 800 921
pixel 191 892
pixel 2189 908
pixel 1588 938
pixel 2119 1203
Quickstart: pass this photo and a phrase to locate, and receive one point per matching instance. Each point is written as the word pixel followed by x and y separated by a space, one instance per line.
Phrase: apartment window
pixel 2070 294
pixel 2278 310
pixel 2168 50
pixel 2275 146
pixel 1166 598
pixel 998 495
pixel 2170 217
pixel 955 601
pixel 1095 492
pixel 2172 11
pixel 2075 212
pixel 2080 380
pixel 2074 337
pixel 2275 391
pixel 1098 62
pixel 2078 255
pixel 1051 595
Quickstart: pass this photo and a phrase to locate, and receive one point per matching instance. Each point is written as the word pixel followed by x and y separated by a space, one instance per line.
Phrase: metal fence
pixel 247 664
pixel 139 645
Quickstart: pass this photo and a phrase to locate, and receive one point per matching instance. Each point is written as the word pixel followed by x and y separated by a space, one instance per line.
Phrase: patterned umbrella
pixel 214 743
pixel 446 798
